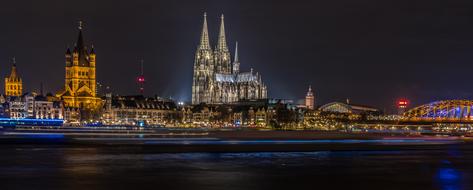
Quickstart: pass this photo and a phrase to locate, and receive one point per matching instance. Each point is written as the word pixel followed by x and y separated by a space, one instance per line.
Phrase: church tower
pixel 13 83
pixel 310 99
pixel 222 54
pixel 80 84
pixel 202 85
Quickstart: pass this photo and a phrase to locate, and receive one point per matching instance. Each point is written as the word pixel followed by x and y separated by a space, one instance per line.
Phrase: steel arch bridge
pixel 446 110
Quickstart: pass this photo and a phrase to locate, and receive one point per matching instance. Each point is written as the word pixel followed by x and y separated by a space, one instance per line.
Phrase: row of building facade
pixel 150 111
pixel 33 106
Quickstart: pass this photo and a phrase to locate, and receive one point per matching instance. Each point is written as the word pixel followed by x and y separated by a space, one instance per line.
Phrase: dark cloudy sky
pixel 370 51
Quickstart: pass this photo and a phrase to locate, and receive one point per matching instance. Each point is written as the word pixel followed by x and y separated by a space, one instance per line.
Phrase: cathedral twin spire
pixel 204 38
pixel 216 78
pixel 222 42
pixel 222 48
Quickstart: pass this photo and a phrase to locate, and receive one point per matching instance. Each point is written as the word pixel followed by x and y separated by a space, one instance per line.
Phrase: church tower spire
pixel 203 68
pixel 236 62
pixel 13 69
pixel 222 55
pixel 222 41
pixel 236 52
pixel 80 48
pixel 80 40
pixel 204 38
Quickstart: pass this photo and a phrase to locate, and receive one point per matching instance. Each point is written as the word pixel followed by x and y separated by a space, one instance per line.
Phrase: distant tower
pixel 141 80
pixel 310 99
pixel 13 83
pixel 402 104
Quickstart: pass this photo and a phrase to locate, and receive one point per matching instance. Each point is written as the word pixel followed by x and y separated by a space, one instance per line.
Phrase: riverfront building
pixel 139 110
pixel 32 106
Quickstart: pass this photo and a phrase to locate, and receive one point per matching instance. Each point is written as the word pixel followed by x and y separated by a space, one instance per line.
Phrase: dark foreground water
pixel 29 167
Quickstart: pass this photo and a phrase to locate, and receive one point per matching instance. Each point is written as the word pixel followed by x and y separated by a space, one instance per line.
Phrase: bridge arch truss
pixel 442 110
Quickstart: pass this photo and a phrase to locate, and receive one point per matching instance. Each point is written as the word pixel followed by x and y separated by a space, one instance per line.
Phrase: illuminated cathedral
pixel 80 84
pixel 216 79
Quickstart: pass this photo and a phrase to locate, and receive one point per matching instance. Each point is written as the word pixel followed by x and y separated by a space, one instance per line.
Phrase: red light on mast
pixel 141 80
pixel 402 103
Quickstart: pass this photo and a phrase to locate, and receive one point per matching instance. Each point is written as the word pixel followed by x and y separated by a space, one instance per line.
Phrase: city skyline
pixel 232 94
pixel 369 69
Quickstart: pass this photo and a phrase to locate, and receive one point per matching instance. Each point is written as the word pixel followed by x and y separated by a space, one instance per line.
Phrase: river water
pixel 62 167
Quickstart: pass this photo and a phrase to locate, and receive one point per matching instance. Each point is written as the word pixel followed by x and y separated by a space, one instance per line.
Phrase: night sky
pixel 370 51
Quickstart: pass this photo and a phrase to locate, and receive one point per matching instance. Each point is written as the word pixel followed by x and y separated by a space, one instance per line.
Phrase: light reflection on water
pixel 401 169
pixel 262 142
pixel 448 177
pixel 228 156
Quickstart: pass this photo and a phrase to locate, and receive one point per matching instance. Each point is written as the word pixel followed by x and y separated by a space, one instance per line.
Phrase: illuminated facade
pixel 216 79
pixel 21 107
pixel 45 109
pixel 250 113
pixel 13 83
pixel 32 106
pixel 80 84
pixel 310 99
pixel 136 110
